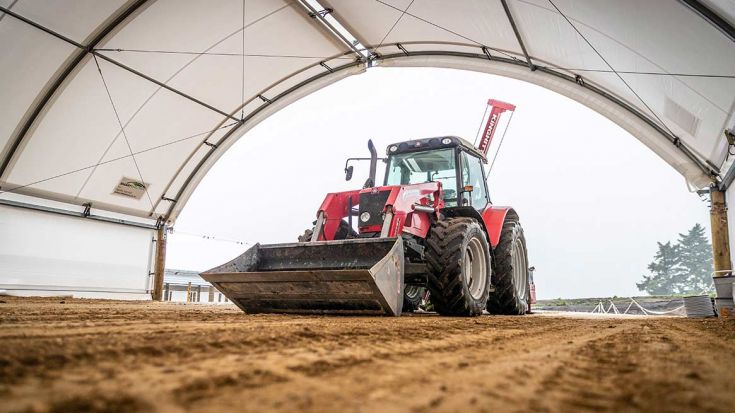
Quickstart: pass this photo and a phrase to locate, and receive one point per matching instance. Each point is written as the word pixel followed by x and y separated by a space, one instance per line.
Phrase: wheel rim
pixel 519 269
pixel 475 268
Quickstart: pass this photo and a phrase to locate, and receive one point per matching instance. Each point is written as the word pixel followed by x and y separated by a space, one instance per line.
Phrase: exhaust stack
pixel 373 165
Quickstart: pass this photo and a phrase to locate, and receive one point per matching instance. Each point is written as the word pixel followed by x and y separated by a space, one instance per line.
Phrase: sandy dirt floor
pixel 63 355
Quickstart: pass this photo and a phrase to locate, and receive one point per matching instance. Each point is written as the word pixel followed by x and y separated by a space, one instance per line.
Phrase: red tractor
pixel 429 227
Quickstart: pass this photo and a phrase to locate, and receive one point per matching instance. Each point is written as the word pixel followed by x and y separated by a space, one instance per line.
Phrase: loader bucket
pixel 356 276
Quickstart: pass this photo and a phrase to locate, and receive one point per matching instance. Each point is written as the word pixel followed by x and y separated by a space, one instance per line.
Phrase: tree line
pixel 683 267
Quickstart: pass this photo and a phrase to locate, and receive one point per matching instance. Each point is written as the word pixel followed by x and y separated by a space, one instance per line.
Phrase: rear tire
pixel 412 297
pixel 458 258
pixel 510 272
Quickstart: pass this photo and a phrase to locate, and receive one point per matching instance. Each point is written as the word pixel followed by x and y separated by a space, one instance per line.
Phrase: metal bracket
pixel 579 79
pixel 487 53
pixel 415 246
pixel 210 144
pixel 403 49
pixel 87 209
pixel 372 57
pixel 264 99
pixel 321 13
pixel 163 198
pixel 730 136
pixel 324 65
pixel 160 222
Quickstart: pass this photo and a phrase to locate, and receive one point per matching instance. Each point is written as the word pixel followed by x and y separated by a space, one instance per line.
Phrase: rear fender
pixel 491 219
pixel 469 212
pixel 494 217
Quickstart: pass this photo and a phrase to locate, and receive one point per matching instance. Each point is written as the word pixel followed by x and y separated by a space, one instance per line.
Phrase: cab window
pixel 426 166
pixel 472 175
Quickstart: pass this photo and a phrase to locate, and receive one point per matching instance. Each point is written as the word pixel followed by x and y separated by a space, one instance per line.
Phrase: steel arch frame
pixel 223 144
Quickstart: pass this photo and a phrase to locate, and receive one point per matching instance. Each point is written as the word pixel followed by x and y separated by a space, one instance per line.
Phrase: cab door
pixel 473 175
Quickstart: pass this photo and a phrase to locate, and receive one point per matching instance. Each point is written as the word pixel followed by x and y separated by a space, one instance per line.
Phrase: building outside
pixel 188 287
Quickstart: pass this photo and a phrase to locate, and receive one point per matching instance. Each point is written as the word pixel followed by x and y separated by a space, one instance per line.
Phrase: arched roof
pixel 97 92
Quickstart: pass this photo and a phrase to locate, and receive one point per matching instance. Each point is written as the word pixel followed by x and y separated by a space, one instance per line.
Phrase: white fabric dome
pixel 100 96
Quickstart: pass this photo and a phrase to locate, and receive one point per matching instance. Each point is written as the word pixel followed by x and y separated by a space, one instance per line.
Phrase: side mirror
pixel 348 172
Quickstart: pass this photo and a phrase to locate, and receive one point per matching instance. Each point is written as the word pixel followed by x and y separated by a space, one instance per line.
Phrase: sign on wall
pixel 133 188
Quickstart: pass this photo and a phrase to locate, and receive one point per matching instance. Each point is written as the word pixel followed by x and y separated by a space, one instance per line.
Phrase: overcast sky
pixel 592 199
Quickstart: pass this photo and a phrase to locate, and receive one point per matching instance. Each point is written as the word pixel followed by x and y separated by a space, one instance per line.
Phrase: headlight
pixel 393 148
pixel 446 141
pixel 365 217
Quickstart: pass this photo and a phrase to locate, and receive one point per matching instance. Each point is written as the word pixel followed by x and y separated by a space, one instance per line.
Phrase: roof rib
pixel 335 28
pixel 518 34
pixel 122 16
pixel 83 51
pixel 712 17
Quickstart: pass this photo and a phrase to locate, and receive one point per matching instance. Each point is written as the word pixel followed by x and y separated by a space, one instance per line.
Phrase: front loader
pixel 429 226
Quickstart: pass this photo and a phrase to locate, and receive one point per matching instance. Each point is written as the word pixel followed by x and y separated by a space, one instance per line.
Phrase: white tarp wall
pixel 49 254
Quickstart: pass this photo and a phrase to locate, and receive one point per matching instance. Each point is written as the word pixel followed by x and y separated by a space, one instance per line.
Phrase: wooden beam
pixel 160 263
pixel 720 234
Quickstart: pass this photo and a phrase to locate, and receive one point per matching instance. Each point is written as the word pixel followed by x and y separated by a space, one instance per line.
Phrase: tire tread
pixel 504 299
pixel 444 252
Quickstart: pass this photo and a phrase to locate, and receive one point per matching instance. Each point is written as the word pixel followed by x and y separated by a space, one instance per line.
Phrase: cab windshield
pixel 427 166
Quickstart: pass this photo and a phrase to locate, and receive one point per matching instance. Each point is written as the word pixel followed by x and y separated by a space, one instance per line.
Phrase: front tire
pixel 458 258
pixel 510 272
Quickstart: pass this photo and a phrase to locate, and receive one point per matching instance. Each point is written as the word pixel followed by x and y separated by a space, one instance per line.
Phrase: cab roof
pixel 438 142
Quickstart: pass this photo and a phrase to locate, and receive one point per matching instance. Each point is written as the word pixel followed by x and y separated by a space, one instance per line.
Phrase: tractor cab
pixel 450 160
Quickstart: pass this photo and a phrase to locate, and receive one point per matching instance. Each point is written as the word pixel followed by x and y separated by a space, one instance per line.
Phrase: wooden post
pixel 210 295
pixel 160 263
pixel 188 292
pixel 720 234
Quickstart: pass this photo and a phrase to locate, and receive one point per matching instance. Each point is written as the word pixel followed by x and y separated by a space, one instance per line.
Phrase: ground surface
pixel 73 356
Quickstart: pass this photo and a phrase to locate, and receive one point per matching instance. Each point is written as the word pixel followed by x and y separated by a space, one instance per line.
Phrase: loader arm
pixel 407 208
pixel 350 276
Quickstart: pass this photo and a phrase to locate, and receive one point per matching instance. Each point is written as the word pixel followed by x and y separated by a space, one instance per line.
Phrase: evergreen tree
pixel 695 261
pixel 666 276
